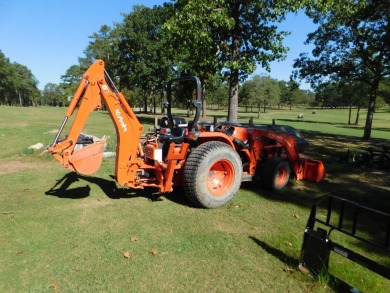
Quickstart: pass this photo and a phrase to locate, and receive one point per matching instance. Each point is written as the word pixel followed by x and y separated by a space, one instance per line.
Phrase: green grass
pixel 334 121
pixel 71 238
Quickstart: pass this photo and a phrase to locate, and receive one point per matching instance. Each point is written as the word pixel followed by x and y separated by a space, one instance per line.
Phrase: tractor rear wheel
pixel 212 174
pixel 275 173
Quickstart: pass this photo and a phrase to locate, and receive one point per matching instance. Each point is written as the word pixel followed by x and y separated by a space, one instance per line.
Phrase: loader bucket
pixel 313 170
pixel 87 160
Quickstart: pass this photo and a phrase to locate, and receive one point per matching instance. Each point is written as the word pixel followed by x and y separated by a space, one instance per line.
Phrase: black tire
pixel 275 173
pixel 212 174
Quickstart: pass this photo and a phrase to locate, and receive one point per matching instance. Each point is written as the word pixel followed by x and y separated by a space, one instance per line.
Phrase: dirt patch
pixel 13 167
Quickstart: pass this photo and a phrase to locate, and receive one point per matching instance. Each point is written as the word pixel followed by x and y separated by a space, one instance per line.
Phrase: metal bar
pixel 329 210
pixel 358 209
pixel 387 239
pixel 358 205
pixel 355 236
pixel 341 216
pixel 355 217
pixel 361 260
pixel 312 217
pixel 59 132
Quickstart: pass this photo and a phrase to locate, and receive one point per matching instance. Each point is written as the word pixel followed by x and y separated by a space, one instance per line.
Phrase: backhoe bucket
pixel 313 170
pixel 87 160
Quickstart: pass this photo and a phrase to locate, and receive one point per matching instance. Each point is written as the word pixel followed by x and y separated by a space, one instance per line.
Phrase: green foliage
pixel 144 57
pixel 103 45
pixel 384 90
pixel 217 95
pixel 349 47
pixel 266 91
pixel 18 86
pixel 261 91
pixel 227 37
pixel 54 95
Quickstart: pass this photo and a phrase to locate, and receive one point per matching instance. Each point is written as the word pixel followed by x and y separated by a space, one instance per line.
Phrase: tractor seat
pixel 177 136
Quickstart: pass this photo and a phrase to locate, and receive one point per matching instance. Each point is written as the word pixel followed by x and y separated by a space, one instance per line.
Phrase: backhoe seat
pixel 177 136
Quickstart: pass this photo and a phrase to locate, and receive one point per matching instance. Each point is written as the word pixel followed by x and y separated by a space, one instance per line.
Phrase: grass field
pixel 62 232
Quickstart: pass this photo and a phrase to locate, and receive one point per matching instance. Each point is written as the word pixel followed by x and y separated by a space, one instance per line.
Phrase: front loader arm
pixel 95 85
pixel 303 168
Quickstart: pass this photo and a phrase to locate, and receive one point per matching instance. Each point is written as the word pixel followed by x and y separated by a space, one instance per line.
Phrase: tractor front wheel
pixel 275 173
pixel 212 174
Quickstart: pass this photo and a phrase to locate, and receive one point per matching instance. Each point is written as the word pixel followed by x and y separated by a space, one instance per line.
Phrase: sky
pixel 48 36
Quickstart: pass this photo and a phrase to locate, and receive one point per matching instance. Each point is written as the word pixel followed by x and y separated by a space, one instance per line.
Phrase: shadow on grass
pixel 286 259
pixel 333 282
pixel 366 186
pixel 63 189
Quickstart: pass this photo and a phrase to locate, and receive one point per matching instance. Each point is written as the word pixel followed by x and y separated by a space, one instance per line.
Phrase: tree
pixel 228 37
pixel 18 86
pixel 328 95
pixel 144 58
pixel 262 91
pixel 5 82
pixel 103 45
pixel 384 90
pixel 353 94
pixel 70 80
pixel 232 36
pixel 218 93
pixel 350 46
pixel 53 95
pixel 25 85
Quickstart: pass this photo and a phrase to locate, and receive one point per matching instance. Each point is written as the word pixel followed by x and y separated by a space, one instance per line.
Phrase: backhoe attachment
pixel 87 160
pixel 95 85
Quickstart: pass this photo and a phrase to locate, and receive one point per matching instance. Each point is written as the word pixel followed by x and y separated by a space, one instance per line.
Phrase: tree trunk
pixel 357 115
pixel 161 101
pixel 350 113
pixel 154 104
pixel 235 57
pixel 145 103
pixel 258 109
pixel 371 110
pixel 233 97
pixel 204 100
pixel 20 99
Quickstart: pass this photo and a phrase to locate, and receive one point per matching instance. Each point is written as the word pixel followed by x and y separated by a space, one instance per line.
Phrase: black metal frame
pixel 317 244
pixel 197 103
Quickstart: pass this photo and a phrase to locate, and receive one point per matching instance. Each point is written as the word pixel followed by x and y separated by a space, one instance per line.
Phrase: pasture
pixel 62 232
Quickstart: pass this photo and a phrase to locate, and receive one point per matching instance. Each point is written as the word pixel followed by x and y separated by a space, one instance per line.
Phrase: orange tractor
pixel 209 165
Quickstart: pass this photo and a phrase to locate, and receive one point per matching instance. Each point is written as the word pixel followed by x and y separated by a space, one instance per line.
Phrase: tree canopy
pixel 228 37
pixel 18 86
pixel 261 91
pixel 350 48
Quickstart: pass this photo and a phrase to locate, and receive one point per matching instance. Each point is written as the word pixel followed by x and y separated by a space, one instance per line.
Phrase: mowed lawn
pixel 62 232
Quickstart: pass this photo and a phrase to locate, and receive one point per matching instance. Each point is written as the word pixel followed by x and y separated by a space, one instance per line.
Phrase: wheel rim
pixel 220 177
pixel 281 176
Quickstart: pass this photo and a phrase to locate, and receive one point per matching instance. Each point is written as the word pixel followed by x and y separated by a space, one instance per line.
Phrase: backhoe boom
pixel 95 85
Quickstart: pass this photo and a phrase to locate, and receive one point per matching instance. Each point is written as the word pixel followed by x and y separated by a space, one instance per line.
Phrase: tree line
pixel 18 86
pixel 222 42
